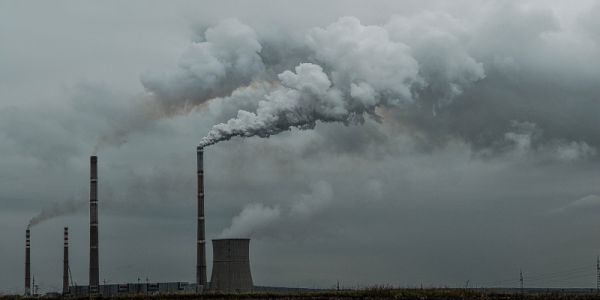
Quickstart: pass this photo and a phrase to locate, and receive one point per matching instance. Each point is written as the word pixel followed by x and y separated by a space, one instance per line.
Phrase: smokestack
pixel 231 266
pixel 66 263
pixel 200 243
pixel 27 263
pixel 94 272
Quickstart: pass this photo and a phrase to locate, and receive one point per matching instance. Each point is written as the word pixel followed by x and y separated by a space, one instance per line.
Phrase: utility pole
pixel 597 274
pixel 521 281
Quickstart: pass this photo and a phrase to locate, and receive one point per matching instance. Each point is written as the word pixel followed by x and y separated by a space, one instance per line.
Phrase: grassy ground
pixel 370 294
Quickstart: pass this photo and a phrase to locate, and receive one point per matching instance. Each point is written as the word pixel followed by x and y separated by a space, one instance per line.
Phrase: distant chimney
pixel 27 263
pixel 200 242
pixel 94 272
pixel 231 266
pixel 66 263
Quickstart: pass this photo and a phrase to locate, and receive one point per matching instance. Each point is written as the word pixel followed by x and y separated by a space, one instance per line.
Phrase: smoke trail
pixel 256 217
pixel 227 58
pixel 367 69
pixel 57 209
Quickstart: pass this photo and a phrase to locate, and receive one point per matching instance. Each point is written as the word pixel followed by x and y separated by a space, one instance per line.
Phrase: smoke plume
pixel 226 59
pixel 256 217
pixel 57 209
pixel 339 73
pixel 356 69
pixel 252 218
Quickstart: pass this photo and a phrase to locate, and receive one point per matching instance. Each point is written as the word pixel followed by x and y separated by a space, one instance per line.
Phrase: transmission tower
pixel 521 281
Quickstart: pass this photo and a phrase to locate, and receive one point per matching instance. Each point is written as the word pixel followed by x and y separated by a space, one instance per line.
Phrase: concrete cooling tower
pixel 231 266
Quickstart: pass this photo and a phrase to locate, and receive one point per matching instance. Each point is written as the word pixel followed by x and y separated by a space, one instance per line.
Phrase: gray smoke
pixel 356 69
pixel 226 58
pixel 57 209
pixel 340 73
pixel 255 218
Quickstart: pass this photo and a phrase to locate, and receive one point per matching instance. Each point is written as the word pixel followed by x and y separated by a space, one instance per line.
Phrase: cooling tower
pixel 231 266
pixel 200 241
pixel 65 290
pixel 27 263
pixel 94 270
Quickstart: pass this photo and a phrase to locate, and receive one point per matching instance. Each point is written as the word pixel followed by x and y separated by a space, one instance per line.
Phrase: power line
pixel 577 271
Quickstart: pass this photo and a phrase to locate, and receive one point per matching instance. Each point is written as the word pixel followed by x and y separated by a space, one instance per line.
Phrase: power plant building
pixel 231 259
pixel 129 289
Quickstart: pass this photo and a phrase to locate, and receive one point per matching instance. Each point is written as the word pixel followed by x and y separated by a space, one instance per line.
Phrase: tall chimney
pixel 27 263
pixel 66 263
pixel 200 243
pixel 94 273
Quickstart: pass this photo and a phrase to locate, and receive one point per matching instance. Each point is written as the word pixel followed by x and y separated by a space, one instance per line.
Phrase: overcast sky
pixel 421 142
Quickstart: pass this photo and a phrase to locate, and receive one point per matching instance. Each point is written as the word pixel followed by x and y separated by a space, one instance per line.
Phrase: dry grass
pixel 366 294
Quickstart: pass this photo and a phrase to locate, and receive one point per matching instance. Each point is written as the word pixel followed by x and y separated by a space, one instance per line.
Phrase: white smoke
pixel 302 99
pixel 57 209
pixel 357 69
pixel 253 217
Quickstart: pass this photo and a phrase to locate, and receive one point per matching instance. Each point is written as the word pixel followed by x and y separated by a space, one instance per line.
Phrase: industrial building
pixel 231 260
pixel 113 290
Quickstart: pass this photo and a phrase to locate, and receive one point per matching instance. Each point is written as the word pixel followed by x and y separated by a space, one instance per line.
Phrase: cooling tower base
pixel 231 266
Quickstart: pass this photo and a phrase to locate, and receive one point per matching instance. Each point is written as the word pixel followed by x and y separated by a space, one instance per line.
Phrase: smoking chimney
pixel 200 242
pixel 27 264
pixel 231 266
pixel 94 272
pixel 66 263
